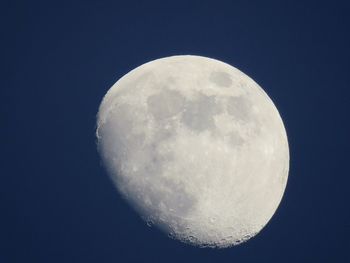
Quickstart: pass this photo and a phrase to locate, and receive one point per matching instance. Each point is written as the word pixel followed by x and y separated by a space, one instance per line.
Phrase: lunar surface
pixel 196 147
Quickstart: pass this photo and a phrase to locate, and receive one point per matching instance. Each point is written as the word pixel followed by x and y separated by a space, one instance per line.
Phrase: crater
pixel 221 78
pixel 165 104
pixel 198 115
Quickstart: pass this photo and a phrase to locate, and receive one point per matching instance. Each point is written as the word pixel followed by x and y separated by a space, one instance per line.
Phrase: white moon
pixel 197 148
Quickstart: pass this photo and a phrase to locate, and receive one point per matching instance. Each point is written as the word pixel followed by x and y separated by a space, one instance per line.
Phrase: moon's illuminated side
pixel 197 147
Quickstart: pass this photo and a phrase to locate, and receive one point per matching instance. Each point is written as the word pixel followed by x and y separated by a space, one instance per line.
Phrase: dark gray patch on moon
pixel 198 115
pixel 165 104
pixel 239 108
pixel 221 78
pixel 235 140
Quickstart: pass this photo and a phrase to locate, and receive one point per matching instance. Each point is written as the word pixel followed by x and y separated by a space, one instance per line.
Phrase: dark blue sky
pixel 59 59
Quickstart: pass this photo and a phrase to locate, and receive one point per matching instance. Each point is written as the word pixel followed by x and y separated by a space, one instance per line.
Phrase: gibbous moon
pixel 196 147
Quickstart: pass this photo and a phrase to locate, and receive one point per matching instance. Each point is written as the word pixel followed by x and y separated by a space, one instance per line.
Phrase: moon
pixel 196 147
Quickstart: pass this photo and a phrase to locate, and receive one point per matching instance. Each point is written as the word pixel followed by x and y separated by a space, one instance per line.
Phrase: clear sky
pixel 60 57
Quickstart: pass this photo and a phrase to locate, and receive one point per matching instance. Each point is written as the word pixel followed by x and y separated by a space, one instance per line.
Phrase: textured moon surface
pixel 196 147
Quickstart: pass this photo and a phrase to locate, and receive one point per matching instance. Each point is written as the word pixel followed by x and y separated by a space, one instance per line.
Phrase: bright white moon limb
pixel 197 147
